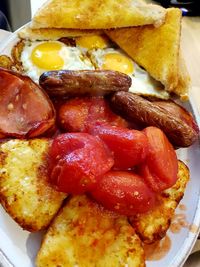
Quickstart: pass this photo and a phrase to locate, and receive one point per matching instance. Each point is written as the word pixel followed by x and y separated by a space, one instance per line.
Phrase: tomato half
pixel 73 114
pixel 161 166
pixel 128 146
pixel 77 114
pixel 123 192
pixel 76 160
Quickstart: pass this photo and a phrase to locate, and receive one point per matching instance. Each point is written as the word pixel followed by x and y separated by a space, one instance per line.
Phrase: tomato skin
pixel 154 182
pixel 128 146
pixel 64 144
pixel 161 166
pixel 123 192
pixel 73 114
pixel 77 114
pixel 76 162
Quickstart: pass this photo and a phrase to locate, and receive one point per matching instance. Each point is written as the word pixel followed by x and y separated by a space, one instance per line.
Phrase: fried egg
pixel 91 52
pixel 116 59
pixel 38 57
pixel 92 42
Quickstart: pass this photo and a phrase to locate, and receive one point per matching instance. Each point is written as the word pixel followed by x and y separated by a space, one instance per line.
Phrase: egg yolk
pixel 46 56
pixel 92 41
pixel 118 62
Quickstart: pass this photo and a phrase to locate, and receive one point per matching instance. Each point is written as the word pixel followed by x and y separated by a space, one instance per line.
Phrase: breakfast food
pixel 12 62
pixel 153 225
pixel 83 53
pixel 93 52
pixel 137 109
pixel 85 242
pixel 83 82
pixel 5 62
pixel 116 59
pixel 25 192
pixel 76 161
pixel 42 34
pixel 108 14
pixel 124 181
pixel 157 50
pixel 122 142
pixel 77 114
pixel 85 234
pixel 38 57
pixel 184 81
pixel 25 110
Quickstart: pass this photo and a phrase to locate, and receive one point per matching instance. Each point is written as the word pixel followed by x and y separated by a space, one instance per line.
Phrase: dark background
pixel 188 7
pixel 4 21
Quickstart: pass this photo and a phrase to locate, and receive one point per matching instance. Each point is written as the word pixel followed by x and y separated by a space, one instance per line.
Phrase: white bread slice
pixel 184 80
pixel 155 49
pixel 53 33
pixel 98 14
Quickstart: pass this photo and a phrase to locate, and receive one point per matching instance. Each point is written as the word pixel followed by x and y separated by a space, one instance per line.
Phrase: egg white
pixel 73 58
pixel 142 82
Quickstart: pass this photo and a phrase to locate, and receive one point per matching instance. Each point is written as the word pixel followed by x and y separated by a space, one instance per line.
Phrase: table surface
pixel 190 44
pixel 191 47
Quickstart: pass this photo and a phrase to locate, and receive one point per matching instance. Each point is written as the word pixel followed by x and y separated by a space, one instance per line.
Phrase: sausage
pixel 178 111
pixel 25 110
pixel 84 82
pixel 146 113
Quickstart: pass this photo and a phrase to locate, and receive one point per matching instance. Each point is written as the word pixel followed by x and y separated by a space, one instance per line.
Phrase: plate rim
pixel 191 237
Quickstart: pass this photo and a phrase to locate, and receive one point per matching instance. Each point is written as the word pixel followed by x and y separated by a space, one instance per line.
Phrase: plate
pixel 18 247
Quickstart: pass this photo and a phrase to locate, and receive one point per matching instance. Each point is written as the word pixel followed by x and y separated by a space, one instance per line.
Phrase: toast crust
pixel 53 33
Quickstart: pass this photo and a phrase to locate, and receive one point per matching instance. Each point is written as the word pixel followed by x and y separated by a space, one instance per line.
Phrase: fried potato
pixel 6 62
pixel 153 225
pixel 85 235
pixel 24 189
pixel 16 56
pixel 13 62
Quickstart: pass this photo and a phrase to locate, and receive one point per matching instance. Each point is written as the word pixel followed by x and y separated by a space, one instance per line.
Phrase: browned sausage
pixel 178 111
pixel 84 82
pixel 146 113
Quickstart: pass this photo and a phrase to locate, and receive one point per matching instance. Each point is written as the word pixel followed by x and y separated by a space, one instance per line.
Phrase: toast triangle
pixel 101 14
pixel 156 50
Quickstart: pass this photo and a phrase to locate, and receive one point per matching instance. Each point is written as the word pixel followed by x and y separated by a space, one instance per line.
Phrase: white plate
pixel 19 247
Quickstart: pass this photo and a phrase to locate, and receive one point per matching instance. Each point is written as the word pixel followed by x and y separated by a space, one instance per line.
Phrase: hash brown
pixel 154 224
pixel 24 190
pixel 84 234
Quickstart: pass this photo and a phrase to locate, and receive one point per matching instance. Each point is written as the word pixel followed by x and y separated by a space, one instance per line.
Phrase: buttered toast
pixel 157 50
pixel 75 14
